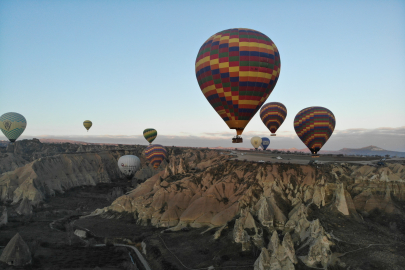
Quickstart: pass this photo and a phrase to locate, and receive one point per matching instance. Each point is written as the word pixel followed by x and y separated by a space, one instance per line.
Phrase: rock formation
pixel 16 252
pixel 25 207
pixel 3 215
pixel 46 176
pixel 255 198
pixel 257 203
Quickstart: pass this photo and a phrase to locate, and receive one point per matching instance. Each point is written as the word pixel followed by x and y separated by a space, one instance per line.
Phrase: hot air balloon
pixel 87 124
pixel 155 154
pixel 128 165
pixel 237 69
pixel 314 126
pixel 273 115
pixel 265 143
pixel 150 134
pixel 12 125
pixel 256 142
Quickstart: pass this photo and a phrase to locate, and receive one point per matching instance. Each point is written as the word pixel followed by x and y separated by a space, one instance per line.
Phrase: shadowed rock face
pixel 16 252
pixel 3 215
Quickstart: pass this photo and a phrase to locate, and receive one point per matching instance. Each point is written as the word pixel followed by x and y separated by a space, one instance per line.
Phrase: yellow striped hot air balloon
pixel 87 124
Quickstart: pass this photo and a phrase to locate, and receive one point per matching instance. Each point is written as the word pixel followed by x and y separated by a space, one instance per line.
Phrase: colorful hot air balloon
pixel 155 154
pixel 265 143
pixel 150 134
pixel 128 165
pixel 314 126
pixel 237 69
pixel 273 115
pixel 12 125
pixel 256 142
pixel 87 124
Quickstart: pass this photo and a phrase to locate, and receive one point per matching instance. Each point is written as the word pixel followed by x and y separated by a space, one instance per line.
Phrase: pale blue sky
pixel 129 65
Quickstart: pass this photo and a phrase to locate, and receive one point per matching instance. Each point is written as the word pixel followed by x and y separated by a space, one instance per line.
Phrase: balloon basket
pixel 237 139
pixel 273 134
pixel 315 156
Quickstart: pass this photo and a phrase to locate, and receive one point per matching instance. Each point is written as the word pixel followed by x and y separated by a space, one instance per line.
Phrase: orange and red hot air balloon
pixel 314 126
pixel 273 115
pixel 237 69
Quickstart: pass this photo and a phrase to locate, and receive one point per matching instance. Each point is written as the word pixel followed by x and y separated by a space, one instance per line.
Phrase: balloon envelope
pixel 273 115
pixel 87 124
pixel 265 143
pixel 150 134
pixel 128 165
pixel 155 154
pixel 314 126
pixel 256 142
pixel 237 69
pixel 12 125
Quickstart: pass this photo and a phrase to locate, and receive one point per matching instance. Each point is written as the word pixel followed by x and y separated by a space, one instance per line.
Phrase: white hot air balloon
pixel 128 165
pixel 256 142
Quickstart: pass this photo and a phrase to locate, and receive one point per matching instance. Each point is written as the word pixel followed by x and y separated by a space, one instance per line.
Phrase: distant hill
pixel 370 151
pixel 72 142
pixel 365 151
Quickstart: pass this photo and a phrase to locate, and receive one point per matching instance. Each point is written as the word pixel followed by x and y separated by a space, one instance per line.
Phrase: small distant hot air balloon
pixel 128 165
pixel 155 154
pixel 87 124
pixel 12 125
pixel 256 142
pixel 314 126
pixel 150 134
pixel 265 143
pixel 237 69
pixel 273 115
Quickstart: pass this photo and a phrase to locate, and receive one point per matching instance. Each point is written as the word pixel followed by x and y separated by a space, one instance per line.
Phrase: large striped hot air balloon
pixel 314 126
pixel 155 154
pixel 150 134
pixel 237 69
pixel 273 115
pixel 12 125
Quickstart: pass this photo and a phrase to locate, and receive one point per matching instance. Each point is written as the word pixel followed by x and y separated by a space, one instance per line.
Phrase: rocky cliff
pixel 25 151
pixel 260 200
pixel 58 167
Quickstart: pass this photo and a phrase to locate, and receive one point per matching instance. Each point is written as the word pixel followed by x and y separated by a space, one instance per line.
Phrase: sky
pixel 129 65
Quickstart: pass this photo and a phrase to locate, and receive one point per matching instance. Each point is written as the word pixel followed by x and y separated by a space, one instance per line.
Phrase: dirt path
pixel 138 254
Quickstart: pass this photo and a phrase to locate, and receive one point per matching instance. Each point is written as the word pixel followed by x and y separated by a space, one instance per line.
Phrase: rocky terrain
pixel 287 216
pixel 279 208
